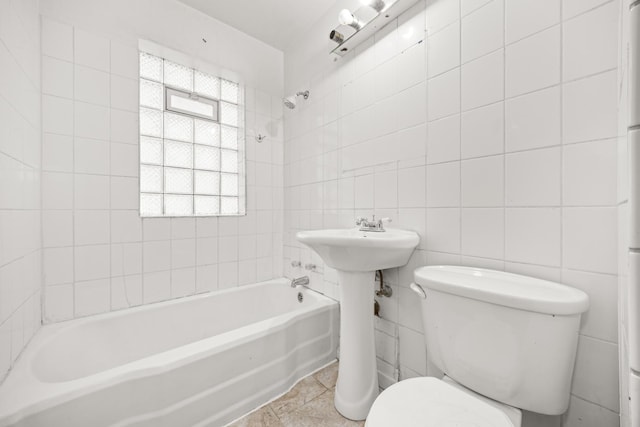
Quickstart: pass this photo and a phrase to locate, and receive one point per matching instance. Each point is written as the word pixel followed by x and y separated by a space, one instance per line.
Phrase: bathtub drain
pixel 300 297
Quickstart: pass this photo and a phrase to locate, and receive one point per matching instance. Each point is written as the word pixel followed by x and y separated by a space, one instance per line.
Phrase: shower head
pixel 290 101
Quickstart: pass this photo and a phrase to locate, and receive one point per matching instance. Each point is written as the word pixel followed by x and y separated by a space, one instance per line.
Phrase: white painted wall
pixel 98 254
pixel 495 136
pixel 20 241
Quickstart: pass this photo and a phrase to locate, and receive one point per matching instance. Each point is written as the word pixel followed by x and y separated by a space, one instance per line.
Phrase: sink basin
pixel 356 255
pixel 354 250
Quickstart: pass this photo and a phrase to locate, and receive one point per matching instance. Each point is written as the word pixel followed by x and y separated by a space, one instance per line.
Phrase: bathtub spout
pixel 300 281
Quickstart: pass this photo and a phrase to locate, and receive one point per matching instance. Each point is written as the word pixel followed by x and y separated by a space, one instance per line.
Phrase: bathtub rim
pixel 54 329
pixel 28 394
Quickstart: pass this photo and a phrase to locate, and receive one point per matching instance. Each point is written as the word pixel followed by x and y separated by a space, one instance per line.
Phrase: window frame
pixel 211 204
pixel 170 91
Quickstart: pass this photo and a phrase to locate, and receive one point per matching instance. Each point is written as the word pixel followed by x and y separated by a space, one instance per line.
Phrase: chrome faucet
pixel 300 281
pixel 373 225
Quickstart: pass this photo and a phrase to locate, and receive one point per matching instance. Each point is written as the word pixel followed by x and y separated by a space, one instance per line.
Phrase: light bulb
pixel 336 36
pixel 345 17
pixel 377 5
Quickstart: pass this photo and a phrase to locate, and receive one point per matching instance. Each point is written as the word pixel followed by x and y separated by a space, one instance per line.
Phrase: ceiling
pixel 275 22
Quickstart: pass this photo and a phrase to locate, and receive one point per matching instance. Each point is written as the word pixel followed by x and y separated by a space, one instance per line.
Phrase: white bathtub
pixel 198 361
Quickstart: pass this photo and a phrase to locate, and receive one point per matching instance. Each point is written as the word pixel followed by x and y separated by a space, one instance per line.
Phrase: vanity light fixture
pixel 356 26
pixel 345 17
pixel 336 36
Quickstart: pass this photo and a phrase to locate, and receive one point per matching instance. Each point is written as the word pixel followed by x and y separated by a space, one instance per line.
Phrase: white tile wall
pixel 494 135
pixel 533 120
pixel 443 95
pixel 20 167
pixel 534 177
pixel 571 8
pixel 483 31
pixel 589 108
pixel 588 39
pixel 517 170
pixel 526 17
pixel 590 176
pixel 444 50
pixel 482 131
pixel 533 63
pixel 482 182
pixel 99 254
pixel 482 81
pixel 533 236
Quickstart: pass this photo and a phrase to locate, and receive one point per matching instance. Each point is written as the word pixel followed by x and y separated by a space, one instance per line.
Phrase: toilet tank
pixel 509 337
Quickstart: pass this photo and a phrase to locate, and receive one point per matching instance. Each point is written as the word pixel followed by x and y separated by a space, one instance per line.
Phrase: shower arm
pixel 290 102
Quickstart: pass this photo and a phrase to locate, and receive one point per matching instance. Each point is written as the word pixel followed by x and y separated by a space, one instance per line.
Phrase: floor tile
pixel 307 389
pixel 328 375
pixel 308 404
pixel 263 417
pixel 319 412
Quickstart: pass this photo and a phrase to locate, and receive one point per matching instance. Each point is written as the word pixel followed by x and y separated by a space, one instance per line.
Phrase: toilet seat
pixel 430 402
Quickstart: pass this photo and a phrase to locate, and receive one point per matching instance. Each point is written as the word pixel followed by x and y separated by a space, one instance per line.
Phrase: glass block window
pixel 191 142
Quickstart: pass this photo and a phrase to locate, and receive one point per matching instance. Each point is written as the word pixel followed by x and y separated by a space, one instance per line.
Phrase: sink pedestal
pixel 356 255
pixel 357 385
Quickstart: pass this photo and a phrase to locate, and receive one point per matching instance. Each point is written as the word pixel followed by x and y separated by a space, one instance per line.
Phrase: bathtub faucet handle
pixel 300 281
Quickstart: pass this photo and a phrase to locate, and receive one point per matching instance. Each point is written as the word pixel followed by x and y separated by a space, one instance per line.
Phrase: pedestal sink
pixel 356 255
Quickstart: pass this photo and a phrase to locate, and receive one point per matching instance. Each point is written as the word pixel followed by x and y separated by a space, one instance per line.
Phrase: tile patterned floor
pixel 308 404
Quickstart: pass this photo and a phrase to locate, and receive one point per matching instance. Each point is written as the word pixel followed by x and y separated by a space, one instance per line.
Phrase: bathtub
pixel 197 361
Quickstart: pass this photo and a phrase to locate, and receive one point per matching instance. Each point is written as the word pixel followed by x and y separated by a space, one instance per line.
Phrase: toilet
pixel 504 342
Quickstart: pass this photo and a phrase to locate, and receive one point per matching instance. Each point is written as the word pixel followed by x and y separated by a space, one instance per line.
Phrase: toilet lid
pixel 430 402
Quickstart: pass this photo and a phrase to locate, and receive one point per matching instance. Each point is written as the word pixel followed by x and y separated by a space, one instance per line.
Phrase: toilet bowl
pixel 505 342
pixel 429 401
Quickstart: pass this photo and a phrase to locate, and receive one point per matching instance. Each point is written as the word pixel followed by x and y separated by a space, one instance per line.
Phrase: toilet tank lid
pixel 506 289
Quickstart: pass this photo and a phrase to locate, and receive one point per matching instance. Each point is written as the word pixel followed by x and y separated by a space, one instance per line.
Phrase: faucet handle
pixel 361 220
pixel 380 223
